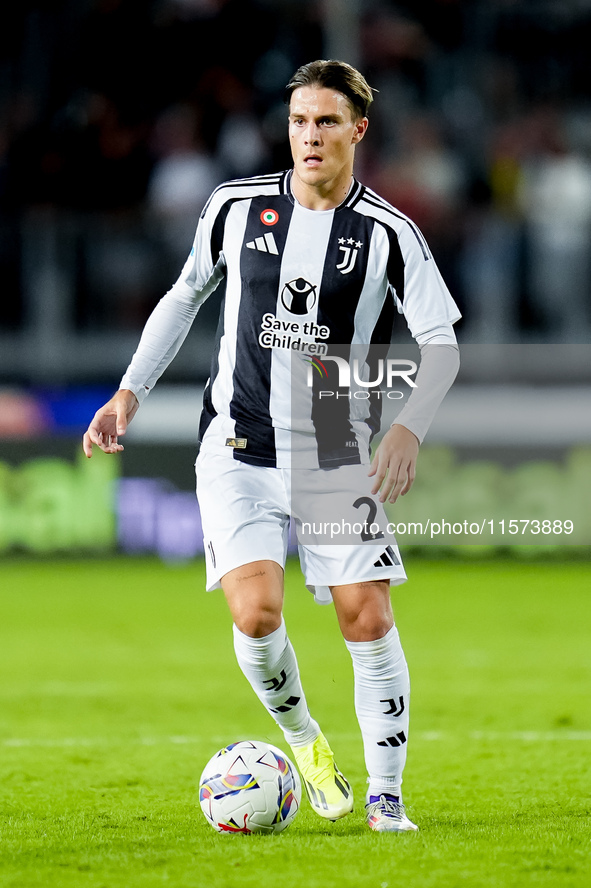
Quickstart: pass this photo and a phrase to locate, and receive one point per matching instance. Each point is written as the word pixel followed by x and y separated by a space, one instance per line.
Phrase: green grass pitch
pixel 118 682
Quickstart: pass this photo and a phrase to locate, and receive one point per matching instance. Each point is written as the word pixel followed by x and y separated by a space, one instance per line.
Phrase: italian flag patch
pixel 269 217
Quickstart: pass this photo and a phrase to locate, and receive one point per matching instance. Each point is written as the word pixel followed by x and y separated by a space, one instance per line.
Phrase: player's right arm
pixel 162 337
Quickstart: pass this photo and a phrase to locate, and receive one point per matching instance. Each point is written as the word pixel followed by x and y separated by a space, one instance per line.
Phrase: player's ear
pixel 360 129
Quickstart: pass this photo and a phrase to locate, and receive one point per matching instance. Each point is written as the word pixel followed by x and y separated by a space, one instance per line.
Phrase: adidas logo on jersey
pixel 264 244
pixel 387 558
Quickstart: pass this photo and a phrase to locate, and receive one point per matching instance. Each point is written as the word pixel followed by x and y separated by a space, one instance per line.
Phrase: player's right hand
pixel 110 422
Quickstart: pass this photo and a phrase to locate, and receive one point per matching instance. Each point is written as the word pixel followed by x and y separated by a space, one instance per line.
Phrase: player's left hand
pixel 394 463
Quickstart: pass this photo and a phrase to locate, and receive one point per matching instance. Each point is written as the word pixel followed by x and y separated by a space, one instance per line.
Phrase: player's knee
pixel 255 598
pixel 257 622
pixel 364 611
pixel 367 626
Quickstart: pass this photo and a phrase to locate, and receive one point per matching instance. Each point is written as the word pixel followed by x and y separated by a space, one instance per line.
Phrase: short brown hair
pixel 337 75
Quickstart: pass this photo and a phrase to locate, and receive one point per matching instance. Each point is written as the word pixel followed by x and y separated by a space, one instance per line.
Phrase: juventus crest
pixel 350 248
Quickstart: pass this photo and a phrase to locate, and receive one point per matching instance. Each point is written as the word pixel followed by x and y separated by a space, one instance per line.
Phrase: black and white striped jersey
pixel 299 284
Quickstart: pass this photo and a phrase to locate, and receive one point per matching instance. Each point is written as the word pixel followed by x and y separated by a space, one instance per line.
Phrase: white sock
pixel 382 691
pixel 271 667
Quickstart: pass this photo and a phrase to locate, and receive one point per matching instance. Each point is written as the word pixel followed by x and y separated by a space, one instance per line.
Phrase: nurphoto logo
pixel 354 375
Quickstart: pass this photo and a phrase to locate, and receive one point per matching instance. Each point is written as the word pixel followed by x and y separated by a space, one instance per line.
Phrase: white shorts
pixel 341 528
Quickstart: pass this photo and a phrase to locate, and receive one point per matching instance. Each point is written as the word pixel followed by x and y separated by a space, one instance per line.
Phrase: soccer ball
pixel 250 787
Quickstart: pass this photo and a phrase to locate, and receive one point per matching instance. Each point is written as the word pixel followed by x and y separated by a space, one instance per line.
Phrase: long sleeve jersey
pixel 299 362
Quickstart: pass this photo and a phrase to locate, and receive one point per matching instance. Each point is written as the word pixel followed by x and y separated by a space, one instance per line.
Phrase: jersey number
pixel 366 533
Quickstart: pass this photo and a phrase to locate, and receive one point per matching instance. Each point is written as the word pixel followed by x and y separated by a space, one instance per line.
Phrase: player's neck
pixel 325 196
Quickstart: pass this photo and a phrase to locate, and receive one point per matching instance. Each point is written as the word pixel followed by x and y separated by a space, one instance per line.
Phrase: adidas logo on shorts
pixel 387 558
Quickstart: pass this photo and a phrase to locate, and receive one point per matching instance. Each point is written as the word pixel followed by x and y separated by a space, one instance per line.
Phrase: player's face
pixel 323 136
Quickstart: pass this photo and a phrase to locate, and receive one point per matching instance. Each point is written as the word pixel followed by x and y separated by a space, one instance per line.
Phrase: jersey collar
pixel 351 198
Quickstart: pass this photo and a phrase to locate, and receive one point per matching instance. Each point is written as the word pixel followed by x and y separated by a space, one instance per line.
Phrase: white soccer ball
pixel 250 787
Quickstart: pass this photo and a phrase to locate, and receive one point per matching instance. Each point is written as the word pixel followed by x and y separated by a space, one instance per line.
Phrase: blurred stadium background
pixel 118 118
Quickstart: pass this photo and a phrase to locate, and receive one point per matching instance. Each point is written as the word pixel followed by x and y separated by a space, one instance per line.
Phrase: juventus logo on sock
pixel 276 683
pixel 394 709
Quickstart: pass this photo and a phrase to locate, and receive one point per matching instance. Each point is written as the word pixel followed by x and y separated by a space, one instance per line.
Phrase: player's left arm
pixel 394 463
pixel 430 313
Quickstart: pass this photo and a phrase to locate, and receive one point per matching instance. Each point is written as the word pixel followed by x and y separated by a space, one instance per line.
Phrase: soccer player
pixel 312 262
